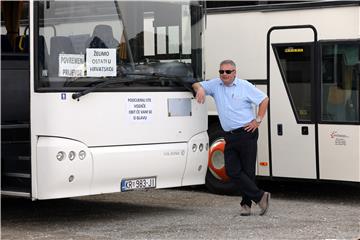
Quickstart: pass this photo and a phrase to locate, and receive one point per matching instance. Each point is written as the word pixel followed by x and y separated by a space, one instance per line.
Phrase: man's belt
pixel 238 130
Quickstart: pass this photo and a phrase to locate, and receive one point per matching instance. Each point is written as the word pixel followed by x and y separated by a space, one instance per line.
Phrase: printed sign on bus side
pixel 139 109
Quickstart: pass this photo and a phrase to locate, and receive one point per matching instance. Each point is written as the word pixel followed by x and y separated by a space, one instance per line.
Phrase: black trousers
pixel 240 160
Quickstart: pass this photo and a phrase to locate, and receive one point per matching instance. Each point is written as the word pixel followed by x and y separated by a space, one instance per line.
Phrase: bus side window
pixel 340 83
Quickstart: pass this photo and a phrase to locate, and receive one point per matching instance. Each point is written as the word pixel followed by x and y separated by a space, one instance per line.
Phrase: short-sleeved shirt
pixel 234 103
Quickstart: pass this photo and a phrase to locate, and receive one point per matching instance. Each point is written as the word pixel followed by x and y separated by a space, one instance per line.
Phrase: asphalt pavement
pixel 297 211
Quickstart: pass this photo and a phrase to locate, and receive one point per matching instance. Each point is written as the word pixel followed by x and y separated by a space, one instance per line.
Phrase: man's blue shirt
pixel 234 103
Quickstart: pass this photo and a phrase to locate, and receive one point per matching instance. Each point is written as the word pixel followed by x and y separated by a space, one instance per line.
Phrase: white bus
pixel 96 97
pixel 306 57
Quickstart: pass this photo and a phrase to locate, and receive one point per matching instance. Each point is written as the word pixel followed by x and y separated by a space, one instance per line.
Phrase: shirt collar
pixel 234 83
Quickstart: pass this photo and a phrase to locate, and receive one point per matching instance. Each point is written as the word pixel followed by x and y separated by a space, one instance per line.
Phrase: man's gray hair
pixel 228 61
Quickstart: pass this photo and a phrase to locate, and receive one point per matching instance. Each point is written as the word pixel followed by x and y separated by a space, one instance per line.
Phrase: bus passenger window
pixel 296 66
pixel 340 82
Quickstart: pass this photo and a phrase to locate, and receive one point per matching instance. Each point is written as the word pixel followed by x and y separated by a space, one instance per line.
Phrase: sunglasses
pixel 226 71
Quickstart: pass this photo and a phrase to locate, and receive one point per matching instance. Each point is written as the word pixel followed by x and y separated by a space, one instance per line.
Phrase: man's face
pixel 227 73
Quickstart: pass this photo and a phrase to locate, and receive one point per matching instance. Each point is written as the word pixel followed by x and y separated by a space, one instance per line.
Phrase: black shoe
pixel 264 203
pixel 245 210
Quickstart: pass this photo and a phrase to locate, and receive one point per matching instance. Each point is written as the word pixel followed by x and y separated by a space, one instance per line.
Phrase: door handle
pixel 280 129
pixel 304 130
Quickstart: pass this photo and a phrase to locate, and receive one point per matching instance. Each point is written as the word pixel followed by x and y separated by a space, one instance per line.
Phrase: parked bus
pixel 305 56
pixel 96 97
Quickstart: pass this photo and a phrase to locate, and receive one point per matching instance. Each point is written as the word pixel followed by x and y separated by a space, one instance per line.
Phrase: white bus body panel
pixel 339 150
pixel 263 165
pixel 103 118
pixel 103 168
pixel 65 178
pixel 117 145
pixel 293 154
pixel 242 37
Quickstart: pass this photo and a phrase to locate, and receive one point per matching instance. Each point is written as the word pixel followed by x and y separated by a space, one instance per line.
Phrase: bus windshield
pixel 81 44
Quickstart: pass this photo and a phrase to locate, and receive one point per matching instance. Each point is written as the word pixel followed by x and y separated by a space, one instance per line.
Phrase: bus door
pixel 339 128
pixel 15 99
pixel 291 76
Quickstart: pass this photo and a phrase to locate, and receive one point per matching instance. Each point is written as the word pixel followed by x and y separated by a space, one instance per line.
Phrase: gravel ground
pixel 297 211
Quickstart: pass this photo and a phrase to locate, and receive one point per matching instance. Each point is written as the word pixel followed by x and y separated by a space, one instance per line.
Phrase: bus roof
pixel 246 6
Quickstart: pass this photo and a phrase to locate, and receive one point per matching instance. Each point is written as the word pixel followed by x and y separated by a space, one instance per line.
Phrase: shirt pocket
pixel 240 102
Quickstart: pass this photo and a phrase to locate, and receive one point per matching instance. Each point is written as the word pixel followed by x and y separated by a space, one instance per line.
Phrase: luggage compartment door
pixel 291 75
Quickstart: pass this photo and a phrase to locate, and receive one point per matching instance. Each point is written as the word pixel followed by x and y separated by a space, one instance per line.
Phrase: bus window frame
pixel 319 88
pixel 35 45
pixel 312 85
pixel 38 88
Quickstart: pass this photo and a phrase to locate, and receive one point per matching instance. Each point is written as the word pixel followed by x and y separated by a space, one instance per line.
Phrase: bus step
pixel 16 182
pixel 15 126
pixel 17 175
pixel 24 158
pixel 15 193
pixel 15 142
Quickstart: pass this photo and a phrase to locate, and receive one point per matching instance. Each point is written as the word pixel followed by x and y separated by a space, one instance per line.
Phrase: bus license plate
pixel 138 183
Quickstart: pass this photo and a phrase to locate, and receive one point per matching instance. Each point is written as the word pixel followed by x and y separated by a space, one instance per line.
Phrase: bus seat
pixel 58 45
pixel 336 95
pixel 102 37
pixel 336 103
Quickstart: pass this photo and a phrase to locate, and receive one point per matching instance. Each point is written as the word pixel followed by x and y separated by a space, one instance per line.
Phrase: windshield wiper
pixel 99 85
pixel 175 78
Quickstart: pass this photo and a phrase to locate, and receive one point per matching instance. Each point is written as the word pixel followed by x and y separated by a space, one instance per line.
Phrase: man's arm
pixel 200 92
pixel 262 108
pixel 254 124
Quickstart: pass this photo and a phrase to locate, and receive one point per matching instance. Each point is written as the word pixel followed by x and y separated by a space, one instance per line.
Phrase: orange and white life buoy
pixel 216 160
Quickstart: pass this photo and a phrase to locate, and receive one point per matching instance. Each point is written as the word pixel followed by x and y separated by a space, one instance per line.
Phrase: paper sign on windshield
pixel 71 65
pixel 101 62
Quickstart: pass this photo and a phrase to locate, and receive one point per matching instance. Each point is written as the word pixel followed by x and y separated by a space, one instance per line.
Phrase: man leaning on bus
pixel 234 98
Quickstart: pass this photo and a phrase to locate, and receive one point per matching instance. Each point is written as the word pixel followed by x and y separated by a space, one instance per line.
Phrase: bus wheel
pixel 216 179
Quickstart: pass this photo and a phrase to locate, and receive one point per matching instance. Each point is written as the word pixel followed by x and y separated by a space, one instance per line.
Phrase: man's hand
pixel 251 126
pixel 200 95
pixel 200 92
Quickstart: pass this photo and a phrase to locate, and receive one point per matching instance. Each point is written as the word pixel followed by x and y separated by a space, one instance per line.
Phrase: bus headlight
pixel 72 155
pixel 201 147
pixel 194 147
pixel 82 155
pixel 60 155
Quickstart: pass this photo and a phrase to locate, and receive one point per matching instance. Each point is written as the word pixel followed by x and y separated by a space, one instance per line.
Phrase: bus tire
pixel 216 180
